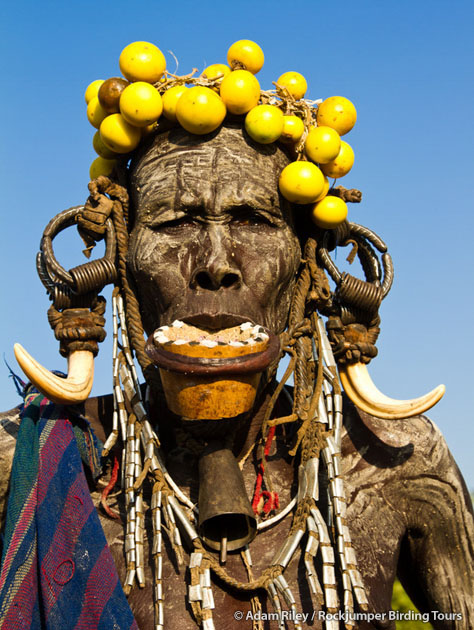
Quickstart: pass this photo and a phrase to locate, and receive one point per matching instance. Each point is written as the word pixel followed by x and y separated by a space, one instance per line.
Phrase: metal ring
pixel 364 238
pixel 50 271
pixel 43 273
pixel 326 259
pixel 388 273
pixel 368 260
pixel 369 235
pixel 60 222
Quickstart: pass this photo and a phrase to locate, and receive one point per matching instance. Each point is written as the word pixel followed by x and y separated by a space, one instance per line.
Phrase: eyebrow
pixel 157 196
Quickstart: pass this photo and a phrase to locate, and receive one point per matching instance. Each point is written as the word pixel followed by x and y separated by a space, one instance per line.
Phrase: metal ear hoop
pixel 66 288
pixel 357 302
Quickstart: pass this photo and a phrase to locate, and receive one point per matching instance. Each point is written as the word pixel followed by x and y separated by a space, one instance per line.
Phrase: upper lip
pixel 216 321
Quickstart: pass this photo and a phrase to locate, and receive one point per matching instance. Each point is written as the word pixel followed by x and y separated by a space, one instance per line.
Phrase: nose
pixel 219 270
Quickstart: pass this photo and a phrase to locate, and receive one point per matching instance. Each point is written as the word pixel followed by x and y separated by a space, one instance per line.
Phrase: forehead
pixel 228 170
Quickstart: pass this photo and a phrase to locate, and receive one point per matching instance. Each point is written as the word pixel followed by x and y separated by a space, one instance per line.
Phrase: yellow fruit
pixel 95 112
pixel 101 166
pixel 338 113
pixel 141 104
pixel 200 110
pixel 264 123
pixel 342 164
pixel 329 212
pixel 101 149
pixel 216 71
pixel 92 90
pixel 322 144
pixel 170 101
pixel 245 54
pixel 240 91
pixel 295 83
pixel 119 135
pixel 325 189
pixel 142 61
pixel 301 182
pixel 293 128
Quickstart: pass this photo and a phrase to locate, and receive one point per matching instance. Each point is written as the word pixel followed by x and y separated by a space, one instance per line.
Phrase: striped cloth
pixel 57 572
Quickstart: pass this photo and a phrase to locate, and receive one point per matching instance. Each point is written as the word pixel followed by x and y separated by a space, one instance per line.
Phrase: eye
pixel 177 225
pixel 249 217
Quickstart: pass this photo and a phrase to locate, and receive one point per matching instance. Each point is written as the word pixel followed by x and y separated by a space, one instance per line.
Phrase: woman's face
pixel 212 243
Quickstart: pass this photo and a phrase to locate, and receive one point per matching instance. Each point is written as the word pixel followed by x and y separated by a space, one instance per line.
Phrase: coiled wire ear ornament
pixel 80 324
pixel 357 302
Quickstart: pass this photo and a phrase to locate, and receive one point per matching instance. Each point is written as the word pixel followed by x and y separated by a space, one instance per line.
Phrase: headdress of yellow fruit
pixel 247 55
pixel 200 110
pixel 264 123
pixel 125 110
pixel 142 61
pixel 170 101
pixel 92 90
pixel 301 182
pixel 338 113
pixel 216 71
pixel 322 144
pixel 119 135
pixel 140 104
pixel 101 166
pixel 295 83
pixel 293 128
pixel 329 212
pixel 341 164
pixel 95 112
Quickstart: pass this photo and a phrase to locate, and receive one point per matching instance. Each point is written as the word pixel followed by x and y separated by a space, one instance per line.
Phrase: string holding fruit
pixel 125 109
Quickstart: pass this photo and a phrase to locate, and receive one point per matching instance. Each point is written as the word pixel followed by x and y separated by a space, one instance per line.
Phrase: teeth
pixel 160 337
pixel 208 343
pixel 253 334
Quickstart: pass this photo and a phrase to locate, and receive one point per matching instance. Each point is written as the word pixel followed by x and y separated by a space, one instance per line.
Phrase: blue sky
pixel 407 66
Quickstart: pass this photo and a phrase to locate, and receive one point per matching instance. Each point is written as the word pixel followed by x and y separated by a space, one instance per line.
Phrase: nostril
pixel 204 280
pixel 209 281
pixel 229 280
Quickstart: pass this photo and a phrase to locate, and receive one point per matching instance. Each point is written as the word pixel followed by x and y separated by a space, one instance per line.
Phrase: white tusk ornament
pixel 63 391
pixel 364 394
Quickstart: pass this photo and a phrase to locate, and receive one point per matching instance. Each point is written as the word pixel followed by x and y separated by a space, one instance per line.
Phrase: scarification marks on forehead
pixel 223 170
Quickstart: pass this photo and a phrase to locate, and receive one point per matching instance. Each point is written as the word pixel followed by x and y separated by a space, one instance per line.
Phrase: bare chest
pixel 376 530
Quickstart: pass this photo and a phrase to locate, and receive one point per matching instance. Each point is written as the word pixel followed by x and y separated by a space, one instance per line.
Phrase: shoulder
pixel 414 443
pixel 407 459
pixel 9 426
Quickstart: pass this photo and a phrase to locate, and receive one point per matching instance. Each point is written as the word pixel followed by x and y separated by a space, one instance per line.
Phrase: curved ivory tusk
pixel 64 391
pixel 361 390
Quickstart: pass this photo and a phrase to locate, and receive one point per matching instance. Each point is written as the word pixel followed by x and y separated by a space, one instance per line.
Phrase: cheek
pixel 158 263
pixel 269 263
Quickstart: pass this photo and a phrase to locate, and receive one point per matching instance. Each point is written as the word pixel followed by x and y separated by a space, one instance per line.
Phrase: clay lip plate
pixel 244 348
